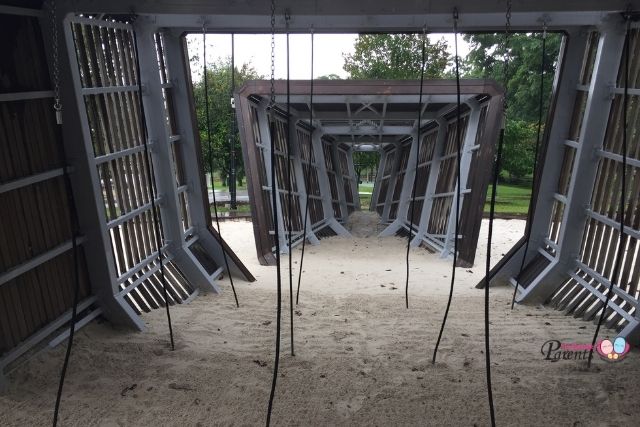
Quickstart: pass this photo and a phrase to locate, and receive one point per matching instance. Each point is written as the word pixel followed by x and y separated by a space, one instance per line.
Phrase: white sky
pixel 256 49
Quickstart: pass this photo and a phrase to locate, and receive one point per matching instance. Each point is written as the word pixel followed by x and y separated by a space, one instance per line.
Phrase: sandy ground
pixel 362 358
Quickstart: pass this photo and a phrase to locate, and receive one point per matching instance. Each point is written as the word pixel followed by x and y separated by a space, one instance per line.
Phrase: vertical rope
pixel 289 192
pixel 210 160
pixel 73 214
pixel 623 189
pixel 458 192
pixel 535 165
pixel 308 176
pixel 415 175
pixel 232 139
pixel 151 181
pixel 272 103
pixel 492 211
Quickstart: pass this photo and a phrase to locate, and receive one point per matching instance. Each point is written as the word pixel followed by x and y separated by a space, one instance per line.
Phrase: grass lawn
pixel 242 208
pixel 219 186
pixel 510 200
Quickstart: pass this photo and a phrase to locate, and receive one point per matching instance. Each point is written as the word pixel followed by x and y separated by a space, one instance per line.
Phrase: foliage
pixel 329 77
pixel 364 161
pixel 220 116
pixel 486 60
pixel 395 56
pixel 519 148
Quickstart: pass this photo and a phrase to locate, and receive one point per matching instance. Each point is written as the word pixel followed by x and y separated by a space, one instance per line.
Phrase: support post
pixel 405 193
pixel 592 133
pixel 392 184
pixel 465 165
pixel 566 81
pixel 87 189
pixel 161 156
pixel 325 188
pixel 298 172
pixel 376 185
pixel 263 119
pixel 430 189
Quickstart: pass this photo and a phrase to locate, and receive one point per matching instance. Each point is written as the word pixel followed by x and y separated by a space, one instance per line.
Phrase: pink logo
pixel 613 351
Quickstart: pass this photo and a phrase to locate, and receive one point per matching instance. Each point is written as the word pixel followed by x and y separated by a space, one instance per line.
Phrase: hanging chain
pixel 507 57
pixel 273 54
pixel 57 105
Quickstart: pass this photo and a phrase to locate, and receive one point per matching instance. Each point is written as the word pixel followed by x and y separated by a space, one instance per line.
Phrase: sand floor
pixel 362 358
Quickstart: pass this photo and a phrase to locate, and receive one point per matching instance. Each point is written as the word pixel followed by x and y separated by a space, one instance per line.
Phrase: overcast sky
pixel 256 49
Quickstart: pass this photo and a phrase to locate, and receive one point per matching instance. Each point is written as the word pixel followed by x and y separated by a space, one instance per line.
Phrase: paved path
pixel 242 196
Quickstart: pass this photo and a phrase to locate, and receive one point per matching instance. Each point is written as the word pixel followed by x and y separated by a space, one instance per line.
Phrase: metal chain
pixel 507 55
pixel 273 54
pixel 57 105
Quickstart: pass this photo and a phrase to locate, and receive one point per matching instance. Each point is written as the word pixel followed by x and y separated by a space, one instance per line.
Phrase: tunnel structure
pixel 352 115
pixel 574 229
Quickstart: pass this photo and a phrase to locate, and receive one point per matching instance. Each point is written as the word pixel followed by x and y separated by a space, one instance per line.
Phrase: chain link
pixel 507 53
pixel 272 101
pixel 57 106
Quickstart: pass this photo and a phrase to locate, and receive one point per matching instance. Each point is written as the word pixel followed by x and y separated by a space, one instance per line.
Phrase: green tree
pixel 395 56
pixel 486 60
pixel 519 148
pixel 220 116
pixel 329 77
pixel 364 161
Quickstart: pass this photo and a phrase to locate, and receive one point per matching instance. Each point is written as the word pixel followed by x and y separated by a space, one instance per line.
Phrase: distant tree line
pixel 399 56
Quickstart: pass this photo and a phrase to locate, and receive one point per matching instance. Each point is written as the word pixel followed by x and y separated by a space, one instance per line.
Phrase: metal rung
pixel 618 158
pixel 130 215
pixel 139 266
pixel 559 197
pixel 25 96
pixel 79 324
pixel 603 280
pixel 117 155
pixel 107 89
pixel 29 180
pixel 216 274
pixel 145 276
pixel 571 143
pixel 38 260
pixel 100 23
pixel 615 224
pixel 449 194
pixel 546 254
pixel 43 333
pixel 551 243
pixel 601 296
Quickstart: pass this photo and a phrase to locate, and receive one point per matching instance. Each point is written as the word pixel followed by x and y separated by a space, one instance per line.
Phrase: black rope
pixel 308 176
pixel 75 231
pixel 150 180
pixel 289 194
pixel 623 190
pixel 458 192
pixel 415 175
pixel 210 161
pixel 274 200
pixel 530 210
pixel 496 173
pixel 492 212
pixel 232 139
